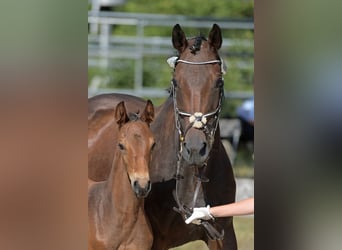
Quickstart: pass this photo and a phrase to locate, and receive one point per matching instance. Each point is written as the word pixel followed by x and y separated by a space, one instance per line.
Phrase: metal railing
pixel 104 48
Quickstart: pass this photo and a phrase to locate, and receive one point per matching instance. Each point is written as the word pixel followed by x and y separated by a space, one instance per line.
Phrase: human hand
pixel 199 213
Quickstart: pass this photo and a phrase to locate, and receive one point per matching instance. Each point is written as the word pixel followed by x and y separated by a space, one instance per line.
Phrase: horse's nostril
pixel 135 184
pixel 203 149
pixel 187 149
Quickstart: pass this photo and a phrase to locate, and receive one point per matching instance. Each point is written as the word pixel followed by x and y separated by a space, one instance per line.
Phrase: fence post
pixel 139 70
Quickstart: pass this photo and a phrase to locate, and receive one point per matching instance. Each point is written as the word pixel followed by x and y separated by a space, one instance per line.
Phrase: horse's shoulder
pixel 100 103
pixel 109 101
pixel 100 118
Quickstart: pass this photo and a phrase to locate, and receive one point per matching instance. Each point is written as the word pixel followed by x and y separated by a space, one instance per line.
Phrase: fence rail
pixel 166 20
pixel 104 48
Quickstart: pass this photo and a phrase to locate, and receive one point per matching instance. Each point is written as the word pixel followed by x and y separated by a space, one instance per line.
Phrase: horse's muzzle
pixel 195 147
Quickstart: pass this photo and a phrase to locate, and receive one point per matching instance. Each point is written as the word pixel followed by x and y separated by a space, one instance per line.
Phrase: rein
pixel 213 230
pixel 199 121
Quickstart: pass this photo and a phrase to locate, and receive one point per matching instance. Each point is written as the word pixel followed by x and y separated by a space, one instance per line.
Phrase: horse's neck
pixel 164 158
pixel 188 184
pixel 216 144
pixel 165 110
pixel 186 188
pixel 123 199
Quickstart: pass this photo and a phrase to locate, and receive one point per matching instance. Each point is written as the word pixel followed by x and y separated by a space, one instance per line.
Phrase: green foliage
pixel 192 8
pixel 157 73
pixel 217 8
pixel 118 76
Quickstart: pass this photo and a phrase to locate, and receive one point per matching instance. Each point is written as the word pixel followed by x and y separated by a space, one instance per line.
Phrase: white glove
pixel 199 213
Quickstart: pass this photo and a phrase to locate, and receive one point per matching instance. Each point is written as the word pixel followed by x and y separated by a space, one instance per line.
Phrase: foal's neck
pixel 119 188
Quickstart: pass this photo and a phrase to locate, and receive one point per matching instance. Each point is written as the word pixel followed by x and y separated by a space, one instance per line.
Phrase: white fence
pixel 104 48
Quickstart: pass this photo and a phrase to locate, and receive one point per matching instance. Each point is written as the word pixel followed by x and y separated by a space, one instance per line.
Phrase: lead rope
pixel 182 209
pixel 209 226
pixel 213 230
pixel 199 179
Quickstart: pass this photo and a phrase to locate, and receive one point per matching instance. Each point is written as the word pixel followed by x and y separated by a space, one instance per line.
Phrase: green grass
pixel 243 171
pixel 243 166
pixel 194 245
pixel 244 229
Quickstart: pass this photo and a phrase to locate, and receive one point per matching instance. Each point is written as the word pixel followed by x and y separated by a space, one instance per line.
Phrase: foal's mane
pixel 134 116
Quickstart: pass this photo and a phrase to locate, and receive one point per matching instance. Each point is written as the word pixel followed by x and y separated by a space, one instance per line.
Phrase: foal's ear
pixel 148 114
pixel 215 37
pixel 178 38
pixel 121 116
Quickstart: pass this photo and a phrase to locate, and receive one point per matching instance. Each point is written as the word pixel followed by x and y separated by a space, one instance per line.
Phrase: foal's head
pixel 136 142
pixel 197 89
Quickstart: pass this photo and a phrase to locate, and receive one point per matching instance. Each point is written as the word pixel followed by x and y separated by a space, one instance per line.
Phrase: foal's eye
pixel 121 146
pixel 219 83
pixel 153 146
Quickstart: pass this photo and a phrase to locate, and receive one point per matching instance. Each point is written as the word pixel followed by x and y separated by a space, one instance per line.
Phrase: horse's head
pixel 197 89
pixel 135 144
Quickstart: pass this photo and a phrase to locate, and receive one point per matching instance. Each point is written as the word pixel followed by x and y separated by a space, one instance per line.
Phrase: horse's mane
pixel 169 90
pixel 197 44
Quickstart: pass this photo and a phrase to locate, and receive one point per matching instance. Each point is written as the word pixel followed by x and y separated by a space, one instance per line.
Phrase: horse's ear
pixel 121 116
pixel 215 37
pixel 148 114
pixel 178 38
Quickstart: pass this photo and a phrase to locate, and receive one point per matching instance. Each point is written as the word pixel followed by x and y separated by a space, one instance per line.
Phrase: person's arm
pixel 243 207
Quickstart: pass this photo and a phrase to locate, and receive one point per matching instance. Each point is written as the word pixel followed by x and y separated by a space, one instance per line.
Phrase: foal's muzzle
pixel 141 188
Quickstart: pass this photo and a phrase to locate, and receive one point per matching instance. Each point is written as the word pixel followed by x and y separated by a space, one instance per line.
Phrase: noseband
pixel 197 120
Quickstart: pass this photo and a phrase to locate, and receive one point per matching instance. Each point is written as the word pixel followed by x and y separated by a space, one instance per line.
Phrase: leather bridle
pixel 198 121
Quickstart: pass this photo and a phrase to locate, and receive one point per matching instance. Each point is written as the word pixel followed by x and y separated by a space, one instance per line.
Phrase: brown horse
pixel 188 151
pixel 116 217
pixel 102 132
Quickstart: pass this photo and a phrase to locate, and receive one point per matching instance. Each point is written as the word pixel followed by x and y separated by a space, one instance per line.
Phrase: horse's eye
pixel 121 146
pixel 219 83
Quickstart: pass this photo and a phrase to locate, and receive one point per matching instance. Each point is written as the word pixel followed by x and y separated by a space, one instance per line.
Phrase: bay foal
pixel 116 216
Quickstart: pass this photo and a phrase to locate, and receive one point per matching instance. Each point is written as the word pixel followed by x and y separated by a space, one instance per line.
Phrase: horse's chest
pixel 134 234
